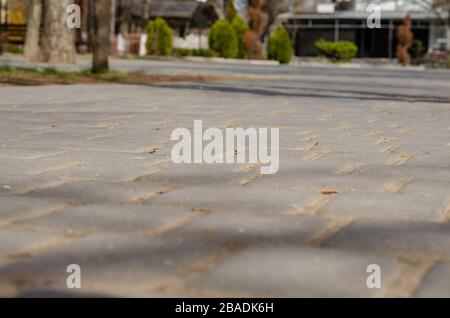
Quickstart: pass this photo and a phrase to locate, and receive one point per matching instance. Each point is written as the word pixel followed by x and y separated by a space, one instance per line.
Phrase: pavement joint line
pixel 390 149
pixel 397 184
pixel 308 132
pixel 32 250
pixel 316 154
pixel 282 111
pixel 179 281
pixel 373 120
pixel 199 267
pixel 37 188
pixel 35 157
pixel 383 141
pixel 374 133
pixel 405 129
pixel 401 159
pixel 343 127
pixel 247 167
pixel 142 198
pixel 175 223
pixel 311 146
pixel 69 149
pixel 313 207
pixel 333 226
pixel 249 179
pixel 60 167
pixel 33 215
pixel 99 137
pixel 351 168
pixel 408 278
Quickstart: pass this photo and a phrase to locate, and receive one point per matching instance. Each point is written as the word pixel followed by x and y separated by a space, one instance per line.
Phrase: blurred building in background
pixel 13 16
pixel 311 20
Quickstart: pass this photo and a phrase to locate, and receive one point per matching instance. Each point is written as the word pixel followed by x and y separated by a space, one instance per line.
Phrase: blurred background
pixel 306 22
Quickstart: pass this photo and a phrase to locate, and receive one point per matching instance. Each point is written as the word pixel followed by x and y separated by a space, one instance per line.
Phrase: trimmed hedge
pixel 159 38
pixel 279 47
pixel 223 40
pixel 339 51
pixel 193 52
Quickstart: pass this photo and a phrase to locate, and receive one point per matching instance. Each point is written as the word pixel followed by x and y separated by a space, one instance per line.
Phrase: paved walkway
pixel 86 178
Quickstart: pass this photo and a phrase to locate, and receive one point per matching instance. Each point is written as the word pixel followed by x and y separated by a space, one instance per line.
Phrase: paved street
pixel 86 178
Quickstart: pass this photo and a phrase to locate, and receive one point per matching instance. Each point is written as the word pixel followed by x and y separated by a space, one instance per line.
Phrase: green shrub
pixel 240 27
pixel 417 52
pixel 203 53
pixel 15 49
pixel 49 71
pixel 5 68
pixel 339 51
pixel 279 47
pixel 182 52
pixel 223 40
pixel 193 52
pixel 159 41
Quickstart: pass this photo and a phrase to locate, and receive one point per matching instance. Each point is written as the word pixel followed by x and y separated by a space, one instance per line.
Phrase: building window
pixel 13 12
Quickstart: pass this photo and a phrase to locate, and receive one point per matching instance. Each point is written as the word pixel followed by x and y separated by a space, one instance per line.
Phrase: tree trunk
pixel 146 12
pixel 34 19
pixel 102 36
pixel 58 41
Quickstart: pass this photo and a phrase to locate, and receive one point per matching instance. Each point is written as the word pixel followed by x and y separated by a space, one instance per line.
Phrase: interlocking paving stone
pixel 386 205
pixel 109 218
pixel 98 191
pixel 114 264
pixel 396 235
pixel 435 283
pixel 17 240
pixel 296 272
pixel 13 207
pixel 364 178
pixel 256 228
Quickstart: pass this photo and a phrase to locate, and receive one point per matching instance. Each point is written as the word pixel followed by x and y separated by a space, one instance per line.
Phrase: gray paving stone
pixel 17 240
pixel 296 272
pixel 256 228
pixel 435 283
pixel 394 235
pixel 97 191
pixel 269 200
pixel 12 207
pixel 114 264
pixel 407 206
pixel 109 218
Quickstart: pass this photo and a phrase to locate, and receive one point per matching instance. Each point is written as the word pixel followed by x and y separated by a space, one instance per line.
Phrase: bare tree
pixel 438 7
pixel 34 19
pixel 102 35
pixel 58 41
